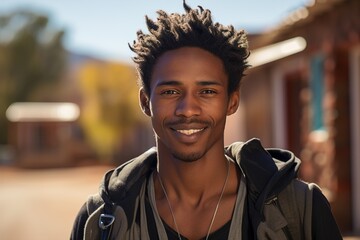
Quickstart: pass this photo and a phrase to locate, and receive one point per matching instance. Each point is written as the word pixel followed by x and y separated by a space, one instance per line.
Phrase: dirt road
pixel 42 204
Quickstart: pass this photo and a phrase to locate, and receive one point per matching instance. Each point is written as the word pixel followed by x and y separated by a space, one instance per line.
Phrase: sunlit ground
pixel 42 204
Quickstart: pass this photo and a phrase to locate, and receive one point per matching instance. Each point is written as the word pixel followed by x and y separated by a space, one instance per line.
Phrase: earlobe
pixel 144 102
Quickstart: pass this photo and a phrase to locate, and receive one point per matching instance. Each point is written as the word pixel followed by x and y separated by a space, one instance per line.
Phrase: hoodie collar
pixel 266 172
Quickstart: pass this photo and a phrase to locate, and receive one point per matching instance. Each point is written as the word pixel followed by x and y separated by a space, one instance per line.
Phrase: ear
pixel 144 102
pixel 234 100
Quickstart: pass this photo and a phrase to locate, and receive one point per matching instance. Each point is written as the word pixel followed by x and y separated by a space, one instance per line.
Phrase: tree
pixel 32 57
pixel 110 107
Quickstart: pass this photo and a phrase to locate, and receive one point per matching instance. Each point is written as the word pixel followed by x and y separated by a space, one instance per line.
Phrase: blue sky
pixel 104 28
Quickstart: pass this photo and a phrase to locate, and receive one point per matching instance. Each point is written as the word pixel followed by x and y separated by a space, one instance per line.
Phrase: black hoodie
pixel 267 173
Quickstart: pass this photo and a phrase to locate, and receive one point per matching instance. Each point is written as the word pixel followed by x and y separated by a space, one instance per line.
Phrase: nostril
pixel 188 108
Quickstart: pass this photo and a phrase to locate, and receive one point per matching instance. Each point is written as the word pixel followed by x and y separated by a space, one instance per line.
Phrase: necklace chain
pixel 216 208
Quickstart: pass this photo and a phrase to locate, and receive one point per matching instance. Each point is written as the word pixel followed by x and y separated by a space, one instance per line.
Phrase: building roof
pixel 42 112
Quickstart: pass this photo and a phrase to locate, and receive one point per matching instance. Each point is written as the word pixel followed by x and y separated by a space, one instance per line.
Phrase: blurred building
pixel 46 134
pixel 309 102
pixel 95 106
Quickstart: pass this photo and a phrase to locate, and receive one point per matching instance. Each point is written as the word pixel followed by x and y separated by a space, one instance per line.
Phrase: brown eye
pixel 169 92
pixel 208 91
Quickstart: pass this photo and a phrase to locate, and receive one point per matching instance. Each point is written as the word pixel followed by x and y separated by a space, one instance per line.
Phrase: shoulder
pixel 79 223
pixel 93 203
pixel 313 208
pixel 324 225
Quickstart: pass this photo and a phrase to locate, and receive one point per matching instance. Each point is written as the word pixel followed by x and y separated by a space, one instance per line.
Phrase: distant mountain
pixel 76 59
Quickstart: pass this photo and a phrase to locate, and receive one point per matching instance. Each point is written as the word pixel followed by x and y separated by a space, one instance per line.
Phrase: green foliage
pixel 32 56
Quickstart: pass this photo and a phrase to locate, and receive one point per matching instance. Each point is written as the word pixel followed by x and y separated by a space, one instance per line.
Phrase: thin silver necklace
pixel 216 208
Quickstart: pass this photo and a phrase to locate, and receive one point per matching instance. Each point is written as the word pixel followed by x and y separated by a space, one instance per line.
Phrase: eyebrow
pixel 209 83
pixel 168 83
pixel 178 83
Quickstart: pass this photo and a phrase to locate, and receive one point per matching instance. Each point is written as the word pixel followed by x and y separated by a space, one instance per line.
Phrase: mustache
pixel 192 120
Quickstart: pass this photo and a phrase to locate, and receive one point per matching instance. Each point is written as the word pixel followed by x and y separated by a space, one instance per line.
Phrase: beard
pixel 187 157
pixel 184 155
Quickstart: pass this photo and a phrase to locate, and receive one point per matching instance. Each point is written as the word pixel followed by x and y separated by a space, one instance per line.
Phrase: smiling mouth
pixel 189 132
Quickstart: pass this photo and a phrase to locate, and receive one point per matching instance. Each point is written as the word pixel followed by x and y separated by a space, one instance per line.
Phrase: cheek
pixel 216 108
pixel 159 113
pixel 157 110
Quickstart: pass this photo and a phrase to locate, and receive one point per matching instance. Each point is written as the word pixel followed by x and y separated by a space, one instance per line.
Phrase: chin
pixel 187 156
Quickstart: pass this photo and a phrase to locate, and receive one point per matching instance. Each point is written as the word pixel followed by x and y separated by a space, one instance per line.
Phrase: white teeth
pixel 190 131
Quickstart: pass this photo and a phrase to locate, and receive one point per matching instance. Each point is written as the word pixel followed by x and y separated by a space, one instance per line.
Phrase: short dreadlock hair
pixel 193 29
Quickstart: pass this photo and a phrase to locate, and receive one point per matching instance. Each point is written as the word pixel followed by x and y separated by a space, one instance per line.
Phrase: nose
pixel 188 106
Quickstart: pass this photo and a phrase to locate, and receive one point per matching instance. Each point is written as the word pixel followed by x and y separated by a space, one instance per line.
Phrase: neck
pixel 191 193
pixel 196 208
pixel 196 181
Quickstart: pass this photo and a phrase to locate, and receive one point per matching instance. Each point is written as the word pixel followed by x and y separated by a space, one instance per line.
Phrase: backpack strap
pixel 273 224
pixel 106 221
pixel 288 215
pixel 295 203
pixel 106 217
pixel 93 203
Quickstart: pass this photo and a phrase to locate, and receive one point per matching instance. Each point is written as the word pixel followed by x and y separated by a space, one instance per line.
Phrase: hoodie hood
pixel 121 181
pixel 266 171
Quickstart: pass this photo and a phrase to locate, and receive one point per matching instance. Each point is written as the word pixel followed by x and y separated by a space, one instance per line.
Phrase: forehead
pixel 188 63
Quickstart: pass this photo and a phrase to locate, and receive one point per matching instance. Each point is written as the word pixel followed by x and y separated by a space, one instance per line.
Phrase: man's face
pixel 188 103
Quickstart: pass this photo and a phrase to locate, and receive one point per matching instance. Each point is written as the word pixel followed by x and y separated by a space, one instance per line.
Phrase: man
pixel 190 186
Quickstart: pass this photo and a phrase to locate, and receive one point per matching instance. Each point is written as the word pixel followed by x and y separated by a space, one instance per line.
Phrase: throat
pixel 190 216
